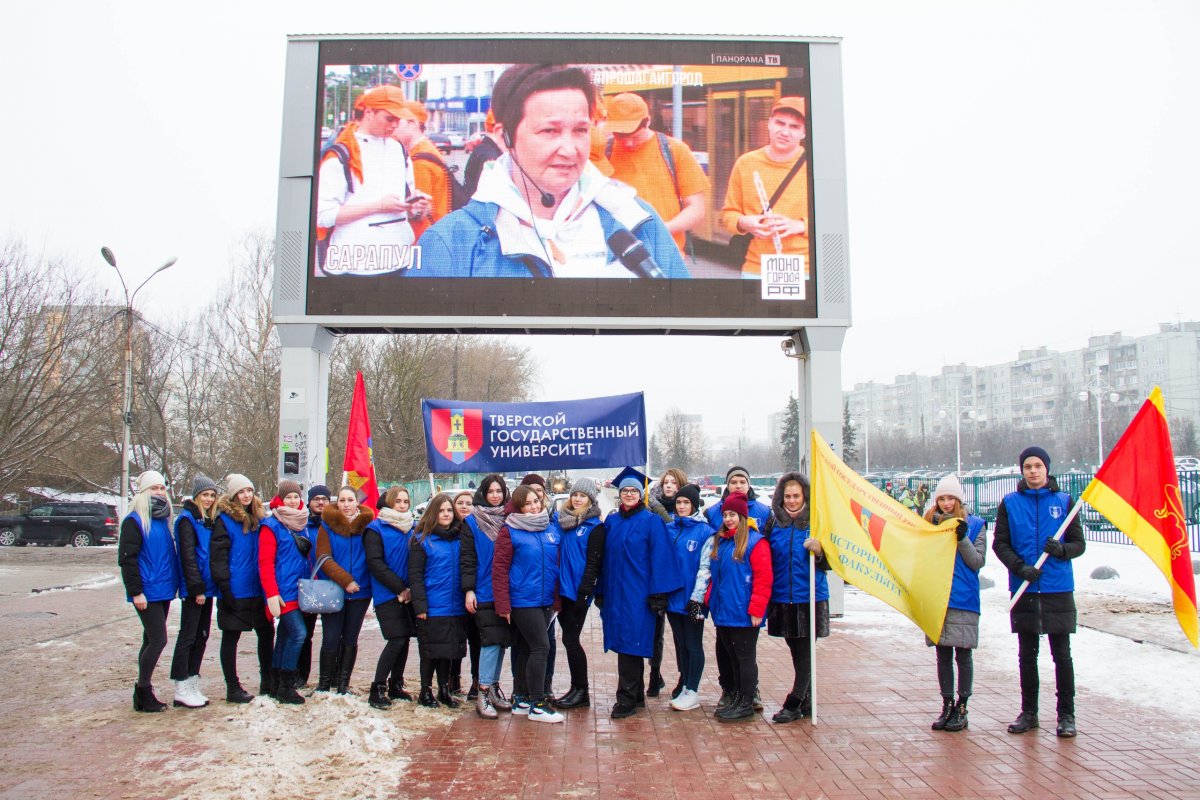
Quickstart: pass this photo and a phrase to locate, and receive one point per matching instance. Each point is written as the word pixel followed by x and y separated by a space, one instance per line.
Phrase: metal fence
pixel 984 494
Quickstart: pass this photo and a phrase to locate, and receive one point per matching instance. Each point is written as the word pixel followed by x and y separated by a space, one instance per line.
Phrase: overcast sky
pixel 1020 173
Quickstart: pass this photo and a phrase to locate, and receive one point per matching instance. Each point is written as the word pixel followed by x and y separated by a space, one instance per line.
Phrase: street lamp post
pixel 958 413
pixel 127 405
pixel 1098 390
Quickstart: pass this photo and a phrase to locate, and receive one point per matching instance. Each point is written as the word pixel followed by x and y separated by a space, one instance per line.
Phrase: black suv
pixel 77 524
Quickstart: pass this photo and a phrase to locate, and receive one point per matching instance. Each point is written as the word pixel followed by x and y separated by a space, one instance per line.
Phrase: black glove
pixel 657 603
pixel 1029 573
pixel 598 602
pixel 695 610
pixel 961 530
pixel 1055 548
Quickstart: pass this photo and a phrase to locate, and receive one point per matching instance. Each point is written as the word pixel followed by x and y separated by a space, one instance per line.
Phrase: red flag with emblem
pixel 358 464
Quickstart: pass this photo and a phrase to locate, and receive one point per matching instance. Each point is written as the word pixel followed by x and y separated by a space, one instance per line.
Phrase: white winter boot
pixel 185 697
pixel 195 683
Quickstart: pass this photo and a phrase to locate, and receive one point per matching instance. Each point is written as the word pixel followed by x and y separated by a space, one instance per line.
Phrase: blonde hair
pixel 740 539
pixel 140 505
pixel 393 494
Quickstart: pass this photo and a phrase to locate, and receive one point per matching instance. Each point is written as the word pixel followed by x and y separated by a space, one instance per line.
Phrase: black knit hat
pixel 318 490
pixel 692 492
pixel 1036 452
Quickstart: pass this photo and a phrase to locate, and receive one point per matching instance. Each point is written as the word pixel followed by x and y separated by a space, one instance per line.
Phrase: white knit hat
pixel 235 482
pixel 949 487
pixel 150 478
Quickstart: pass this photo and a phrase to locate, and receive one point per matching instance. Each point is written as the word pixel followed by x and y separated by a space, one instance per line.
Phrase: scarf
pixel 490 519
pixel 159 509
pixel 528 522
pixel 567 521
pixel 397 519
pixel 294 519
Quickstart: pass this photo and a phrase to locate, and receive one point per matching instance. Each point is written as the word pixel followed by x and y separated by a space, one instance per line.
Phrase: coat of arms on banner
pixel 457 432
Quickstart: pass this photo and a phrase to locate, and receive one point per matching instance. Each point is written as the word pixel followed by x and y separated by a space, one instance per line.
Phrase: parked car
pixel 76 524
pixel 457 139
pixel 1187 464
pixel 441 141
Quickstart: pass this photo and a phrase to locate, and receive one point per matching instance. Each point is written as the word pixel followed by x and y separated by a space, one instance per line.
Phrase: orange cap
pixel 420 114
pixel 387 98
pixel 792 104
pixel 489 122
pixel 600 113
pixel 626 112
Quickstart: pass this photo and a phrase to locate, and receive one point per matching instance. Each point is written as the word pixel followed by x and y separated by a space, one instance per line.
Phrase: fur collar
pixel 230 506
pixel 336 521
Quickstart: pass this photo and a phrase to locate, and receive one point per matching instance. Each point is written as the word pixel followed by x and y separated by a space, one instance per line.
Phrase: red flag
pixel 358 464
pixel 1137 488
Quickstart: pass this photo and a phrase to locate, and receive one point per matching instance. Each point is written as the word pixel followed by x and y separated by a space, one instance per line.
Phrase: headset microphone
pixel 547 199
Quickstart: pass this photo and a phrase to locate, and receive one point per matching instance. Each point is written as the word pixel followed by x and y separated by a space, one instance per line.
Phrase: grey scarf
pixel 528 522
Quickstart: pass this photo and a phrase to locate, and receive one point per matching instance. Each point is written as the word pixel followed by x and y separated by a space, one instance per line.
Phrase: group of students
pixel 489 570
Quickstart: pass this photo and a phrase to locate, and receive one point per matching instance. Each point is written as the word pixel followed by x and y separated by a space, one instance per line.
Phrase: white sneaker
pixel 686 701
pixel 184 696
pixel 195 683
pixel 542 712
pixel 520 705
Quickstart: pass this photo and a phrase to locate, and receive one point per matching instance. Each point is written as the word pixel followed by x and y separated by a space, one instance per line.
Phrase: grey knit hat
pixel 586 486
pixel 235 482
pixel 203 483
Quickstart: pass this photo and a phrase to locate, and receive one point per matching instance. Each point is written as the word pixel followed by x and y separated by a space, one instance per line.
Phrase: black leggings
pixel 229 646
pixel 739 646
pixel 1064 670
pixel 660 629
pixel 946 658
pixel 194 624
pixel 801 664
pixel 439 665
pixel 531 624
pixel 572 618
pixel 392 660
pixel 154 638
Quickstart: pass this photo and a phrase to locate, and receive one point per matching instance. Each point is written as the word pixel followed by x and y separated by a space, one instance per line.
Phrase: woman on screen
pixel 543 209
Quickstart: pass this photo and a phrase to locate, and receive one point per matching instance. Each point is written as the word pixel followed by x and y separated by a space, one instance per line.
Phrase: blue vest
pixel 243 559
pixel 688 536
pixel 1034 516
pixel 485 553
pixel 203 547
pixel 572 555
pixel 534 573
pixel 290 566
pixel 964 591
pixel 349 554
pixel 395 554
pixel 443 576
pixel 310 533
pixel 158 564
pixel 789 566
pixel 732 584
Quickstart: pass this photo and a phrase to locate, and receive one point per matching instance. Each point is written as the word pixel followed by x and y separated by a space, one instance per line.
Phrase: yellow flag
pixel 878 545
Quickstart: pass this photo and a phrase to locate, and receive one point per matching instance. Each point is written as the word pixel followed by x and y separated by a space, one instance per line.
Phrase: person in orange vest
pixel 662 169
pixel 430 175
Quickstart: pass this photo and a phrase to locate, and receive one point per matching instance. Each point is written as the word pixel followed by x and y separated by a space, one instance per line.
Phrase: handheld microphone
pixel 633 255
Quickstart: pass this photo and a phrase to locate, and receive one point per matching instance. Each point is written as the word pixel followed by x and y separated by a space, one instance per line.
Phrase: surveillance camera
pixel 788 346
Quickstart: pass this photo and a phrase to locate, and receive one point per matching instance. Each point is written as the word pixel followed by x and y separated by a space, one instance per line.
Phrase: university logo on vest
pixel 692 545
pixel 457 432
pixel 1055 512
pixel 870 523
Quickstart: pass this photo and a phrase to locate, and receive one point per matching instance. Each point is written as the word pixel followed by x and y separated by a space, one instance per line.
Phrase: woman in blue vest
pixel 1026 522
pixel 463 506
pixel 638 572
pixel 435 577
pixel 478 554
pixel 341 538
pixel 234 565
pixel 689 531
pixel 386 541
pixel 150 572
pixel 524 579
pixel 737 589
pixel 788 532
pixel 193 536
pixel 283 551
pixel 580 555
pixel 960 629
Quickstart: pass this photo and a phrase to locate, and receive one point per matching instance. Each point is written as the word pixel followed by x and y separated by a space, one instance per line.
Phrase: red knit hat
pixel 736 501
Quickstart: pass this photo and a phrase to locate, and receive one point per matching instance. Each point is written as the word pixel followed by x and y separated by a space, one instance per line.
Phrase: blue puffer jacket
pixel 789 561
pixel 964 591
pixel 158 563
pixel 243 559
pixel 395 555
pixel 1034 515
pixel 533 576
pixel 485 554
pixel 572 553
pixel 435 570
pixel 688 535
pixel 290 566
pixel 732 583
pixel 464 244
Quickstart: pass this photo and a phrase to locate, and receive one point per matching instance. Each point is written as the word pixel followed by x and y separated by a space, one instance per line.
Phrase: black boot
pixel 957 720
pixel 1027 721
pixel 328 667
pixel 144 700
pixel 739 710
pixel 657 684
pixel 790 711
pixel 427 699
pixel 939 724
pixel 379 698
pixel 576 698
pixel 446 698
pixel 396 690
pixel 473 692
pixel 285 688
pixel 726 700
pixel 268 683
pixel 1066 726
pixel 678 690
pixel 234 693
pixel 345 668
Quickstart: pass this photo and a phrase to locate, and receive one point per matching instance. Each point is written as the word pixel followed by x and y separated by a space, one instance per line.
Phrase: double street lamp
pixel 127 405
pixel 1099 390
pixel 959 410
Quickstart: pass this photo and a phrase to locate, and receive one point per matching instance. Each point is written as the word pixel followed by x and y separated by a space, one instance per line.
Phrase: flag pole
pixel 1042 559
pixel 812 633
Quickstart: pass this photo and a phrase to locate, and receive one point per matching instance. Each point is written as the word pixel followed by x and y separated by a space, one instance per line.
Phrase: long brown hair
pixel 677 474
pixel 740 539
pixel 429 518
pixel 520 496
pixel 958 511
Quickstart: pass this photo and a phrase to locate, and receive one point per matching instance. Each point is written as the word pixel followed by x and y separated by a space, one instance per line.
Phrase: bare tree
pixel 677 442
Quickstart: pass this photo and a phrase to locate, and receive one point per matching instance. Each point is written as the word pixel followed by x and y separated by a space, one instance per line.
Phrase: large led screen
pixel 667 179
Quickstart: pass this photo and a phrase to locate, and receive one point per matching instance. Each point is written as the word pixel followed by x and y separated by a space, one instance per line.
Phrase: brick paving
pixel 872 739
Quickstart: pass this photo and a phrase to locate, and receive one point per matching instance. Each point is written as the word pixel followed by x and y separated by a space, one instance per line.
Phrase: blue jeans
pixel 489 664
pixel 289 640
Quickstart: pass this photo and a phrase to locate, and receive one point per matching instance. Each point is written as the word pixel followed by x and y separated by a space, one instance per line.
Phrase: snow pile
pixel 98 582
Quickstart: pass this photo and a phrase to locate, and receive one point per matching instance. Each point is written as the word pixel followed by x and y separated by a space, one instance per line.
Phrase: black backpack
pixel 458 193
